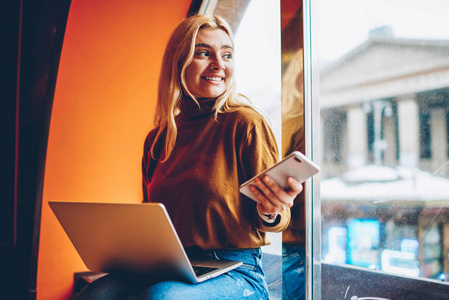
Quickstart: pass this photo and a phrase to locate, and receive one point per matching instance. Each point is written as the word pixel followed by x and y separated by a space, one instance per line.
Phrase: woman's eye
pixel 202 53
pixel 228 56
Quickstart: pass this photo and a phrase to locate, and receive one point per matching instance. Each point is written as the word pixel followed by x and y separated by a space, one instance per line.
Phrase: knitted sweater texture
pixel 199 183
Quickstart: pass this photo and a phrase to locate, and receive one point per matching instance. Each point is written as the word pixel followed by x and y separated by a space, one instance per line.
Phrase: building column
pixel 439 141
pixel 408 119
pixel 357 138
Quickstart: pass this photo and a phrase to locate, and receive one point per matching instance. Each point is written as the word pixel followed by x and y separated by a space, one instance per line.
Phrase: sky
pixel 344 24
pixel 339 25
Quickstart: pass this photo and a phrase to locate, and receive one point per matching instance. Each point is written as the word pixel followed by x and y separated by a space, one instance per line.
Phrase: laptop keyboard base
pixel 202 270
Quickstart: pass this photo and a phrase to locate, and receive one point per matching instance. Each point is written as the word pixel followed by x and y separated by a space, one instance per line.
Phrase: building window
pixel 425 135
pixel 370 135
pixel 447 133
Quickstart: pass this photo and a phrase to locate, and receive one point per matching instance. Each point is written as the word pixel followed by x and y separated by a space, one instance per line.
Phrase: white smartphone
pixel 295 165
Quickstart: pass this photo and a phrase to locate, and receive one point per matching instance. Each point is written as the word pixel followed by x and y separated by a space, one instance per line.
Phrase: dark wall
pixel 9 18
pixel 32 33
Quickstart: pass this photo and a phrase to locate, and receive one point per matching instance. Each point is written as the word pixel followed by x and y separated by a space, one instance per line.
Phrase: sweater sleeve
pixel 259 153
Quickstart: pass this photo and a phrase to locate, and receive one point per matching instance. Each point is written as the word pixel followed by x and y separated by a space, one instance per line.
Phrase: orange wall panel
pixel 103 108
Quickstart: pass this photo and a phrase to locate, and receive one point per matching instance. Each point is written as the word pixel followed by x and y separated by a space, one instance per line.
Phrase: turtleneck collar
pixel 189 109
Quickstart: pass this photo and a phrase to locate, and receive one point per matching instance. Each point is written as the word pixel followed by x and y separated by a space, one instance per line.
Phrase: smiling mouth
pixel 213 78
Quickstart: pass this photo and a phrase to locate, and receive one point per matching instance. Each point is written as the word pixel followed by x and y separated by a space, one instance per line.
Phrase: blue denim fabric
pixel 293 272
pixel 246 282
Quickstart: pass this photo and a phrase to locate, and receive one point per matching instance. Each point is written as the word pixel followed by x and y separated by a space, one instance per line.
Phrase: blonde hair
pixel 172 87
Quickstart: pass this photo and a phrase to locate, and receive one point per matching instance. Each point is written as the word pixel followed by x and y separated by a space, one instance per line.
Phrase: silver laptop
pixel 132 238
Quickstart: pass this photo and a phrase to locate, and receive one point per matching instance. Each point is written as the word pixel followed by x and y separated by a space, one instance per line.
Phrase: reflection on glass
pixel 293 139
pixel 384 98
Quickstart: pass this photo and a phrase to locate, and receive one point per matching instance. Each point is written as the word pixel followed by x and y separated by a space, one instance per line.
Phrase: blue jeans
pixel 293 272
pixel 245 282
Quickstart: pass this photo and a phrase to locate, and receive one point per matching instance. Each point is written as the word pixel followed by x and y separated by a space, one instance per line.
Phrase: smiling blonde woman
pixel 208 140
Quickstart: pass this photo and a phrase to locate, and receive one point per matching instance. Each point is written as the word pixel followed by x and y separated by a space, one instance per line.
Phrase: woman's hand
pixel 273 198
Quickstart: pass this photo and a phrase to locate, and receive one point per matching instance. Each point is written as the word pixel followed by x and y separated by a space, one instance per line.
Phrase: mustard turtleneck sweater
pixel 199 183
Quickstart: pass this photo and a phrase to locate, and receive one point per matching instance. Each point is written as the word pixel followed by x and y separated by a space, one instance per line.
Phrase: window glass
pixel 258 59
pixel 384 106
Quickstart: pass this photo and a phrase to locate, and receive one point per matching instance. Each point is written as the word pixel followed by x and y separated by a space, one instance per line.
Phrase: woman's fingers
pixel 272 197
pixel 295 186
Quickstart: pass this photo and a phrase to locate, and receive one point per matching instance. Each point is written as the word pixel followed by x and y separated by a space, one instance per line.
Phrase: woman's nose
pixel 217 64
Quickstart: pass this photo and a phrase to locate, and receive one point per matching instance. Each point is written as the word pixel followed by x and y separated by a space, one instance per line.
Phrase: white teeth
pixel 213 78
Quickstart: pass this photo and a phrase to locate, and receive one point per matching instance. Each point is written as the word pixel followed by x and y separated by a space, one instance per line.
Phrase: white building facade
pixel 387 103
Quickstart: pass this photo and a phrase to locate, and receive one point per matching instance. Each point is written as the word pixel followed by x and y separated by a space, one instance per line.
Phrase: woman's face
pixel 210 72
